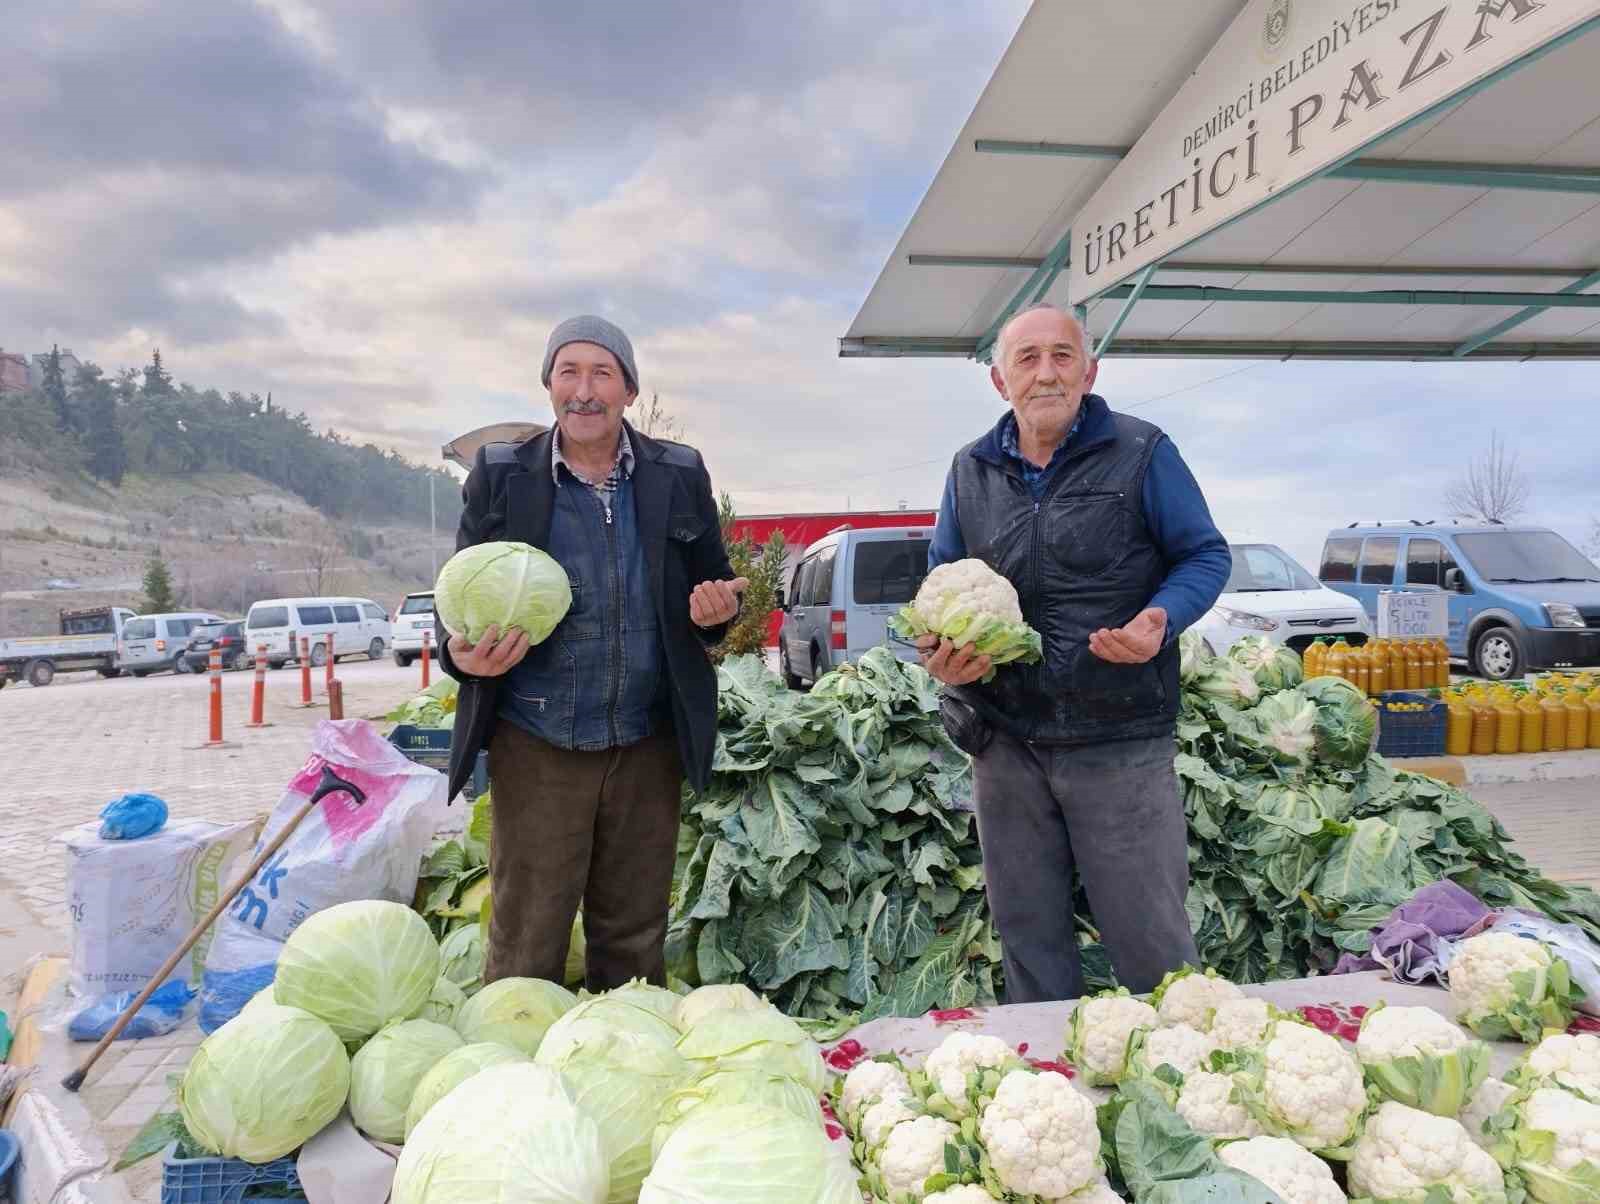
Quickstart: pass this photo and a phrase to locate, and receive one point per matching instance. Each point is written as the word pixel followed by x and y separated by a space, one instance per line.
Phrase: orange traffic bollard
pixel 327 679
pixel 425 641
pixel 336 699
pixel 305 671
pixel 258 692
pixel 216 698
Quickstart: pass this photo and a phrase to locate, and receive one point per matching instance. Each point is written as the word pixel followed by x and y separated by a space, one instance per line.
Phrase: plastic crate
pixel 431 746
pixel 226 1180
pixel 1411 733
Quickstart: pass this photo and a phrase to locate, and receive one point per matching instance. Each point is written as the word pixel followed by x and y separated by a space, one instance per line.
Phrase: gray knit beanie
pixel 587 328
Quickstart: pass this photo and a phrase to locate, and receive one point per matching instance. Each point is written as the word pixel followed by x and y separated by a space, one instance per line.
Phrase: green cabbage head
pixel 450 1071
pixel 1274 666
pixel 386 1070
pixel 359 966
pixel 763 1039
pixel 264 1083
pixel 1282 727
pixel 505 585
pixel 511 1134
pixel 702 1001
pixel 461 958
pixel 514 1012
pixel 737 1087
pixel 1346 721
pixel 444 1001
pixel 754 1154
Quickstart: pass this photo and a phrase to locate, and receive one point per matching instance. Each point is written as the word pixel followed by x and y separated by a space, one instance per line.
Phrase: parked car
pixel 155 643
pixel 353 626
pixel 845 589
pixel 1270 594
pixel 413 618
pixel 87 640
pixel 1520 598
pixel 227 638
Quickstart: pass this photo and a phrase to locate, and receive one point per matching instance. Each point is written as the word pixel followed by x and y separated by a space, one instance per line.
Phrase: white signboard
pixel 1413 613
pixel 1293 87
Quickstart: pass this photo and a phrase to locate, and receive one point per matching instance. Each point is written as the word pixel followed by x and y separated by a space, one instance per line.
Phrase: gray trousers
pixel 1110 812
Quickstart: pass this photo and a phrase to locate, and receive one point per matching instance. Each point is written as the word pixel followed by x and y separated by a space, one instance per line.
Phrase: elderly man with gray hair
pixel 592 732
pixel 1100 525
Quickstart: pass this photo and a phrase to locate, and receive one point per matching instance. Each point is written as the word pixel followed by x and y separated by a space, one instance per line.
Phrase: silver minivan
pixel 153 643
pixel 846 588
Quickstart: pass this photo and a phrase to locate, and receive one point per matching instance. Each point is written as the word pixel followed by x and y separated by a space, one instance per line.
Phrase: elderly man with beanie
pixel 592 732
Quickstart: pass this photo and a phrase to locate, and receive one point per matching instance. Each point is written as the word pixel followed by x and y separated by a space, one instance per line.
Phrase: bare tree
pixel 1494 489
pixel 321 558
pixel 656 421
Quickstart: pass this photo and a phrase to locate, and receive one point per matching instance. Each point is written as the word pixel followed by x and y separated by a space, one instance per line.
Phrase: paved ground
pixel 75 745
pixel 1556 824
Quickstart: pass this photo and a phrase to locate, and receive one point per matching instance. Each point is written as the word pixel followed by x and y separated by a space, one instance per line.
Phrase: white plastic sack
pixel 133 901
pixel 339 853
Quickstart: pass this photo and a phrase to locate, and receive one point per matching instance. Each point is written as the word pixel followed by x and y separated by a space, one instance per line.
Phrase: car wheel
pixel 181 665
pixel 140 672
pixel 816 666
pixel 108 673
pixel 790 677
pixel 242 660
pixel 1498 654
pixel 40 673
pixel 402 659
pixel 375 650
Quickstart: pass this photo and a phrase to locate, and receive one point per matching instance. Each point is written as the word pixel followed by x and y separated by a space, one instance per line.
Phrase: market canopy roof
pixel 1419 183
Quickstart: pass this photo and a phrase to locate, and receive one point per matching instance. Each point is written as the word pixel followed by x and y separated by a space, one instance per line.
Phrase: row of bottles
pixel 1506 719
pixel 1381 664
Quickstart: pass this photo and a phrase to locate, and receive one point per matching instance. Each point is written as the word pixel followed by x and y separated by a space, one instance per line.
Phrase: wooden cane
pixel 331 783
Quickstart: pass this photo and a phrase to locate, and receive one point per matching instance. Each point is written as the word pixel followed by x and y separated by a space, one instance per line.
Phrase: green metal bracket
pixel 1038 284
pixel 1127 308
pixel 1517 319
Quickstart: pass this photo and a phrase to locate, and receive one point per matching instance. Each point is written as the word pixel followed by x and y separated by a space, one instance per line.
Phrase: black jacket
pixel 509 495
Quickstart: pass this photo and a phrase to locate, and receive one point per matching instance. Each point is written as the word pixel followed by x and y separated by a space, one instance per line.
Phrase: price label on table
pixel 1413 613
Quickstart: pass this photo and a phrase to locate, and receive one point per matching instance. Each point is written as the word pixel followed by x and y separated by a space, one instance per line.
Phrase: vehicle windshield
pixel 1262 568
pixel 209 631
pixel 417 604
pixel 1526 557
pixel 269 616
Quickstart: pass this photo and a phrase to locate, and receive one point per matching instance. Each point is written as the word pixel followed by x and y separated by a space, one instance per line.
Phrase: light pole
pixel 433 535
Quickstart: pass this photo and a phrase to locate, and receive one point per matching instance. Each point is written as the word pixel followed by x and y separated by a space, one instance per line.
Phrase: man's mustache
pixel 583 407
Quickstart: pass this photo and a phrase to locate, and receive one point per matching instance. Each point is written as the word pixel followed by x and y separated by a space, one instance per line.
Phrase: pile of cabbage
pixel 524 1091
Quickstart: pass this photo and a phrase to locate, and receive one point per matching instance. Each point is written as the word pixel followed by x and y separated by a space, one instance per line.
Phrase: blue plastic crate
pixel 431 746
pixel 1411 733
pixel 226 1180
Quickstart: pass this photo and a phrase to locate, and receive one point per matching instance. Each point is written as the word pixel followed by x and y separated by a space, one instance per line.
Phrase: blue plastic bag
pixel 132 816
pixel 161 1013
pixel 227 993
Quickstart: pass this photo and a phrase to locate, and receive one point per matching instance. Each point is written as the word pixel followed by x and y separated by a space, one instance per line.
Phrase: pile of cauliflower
pixel 1405 1114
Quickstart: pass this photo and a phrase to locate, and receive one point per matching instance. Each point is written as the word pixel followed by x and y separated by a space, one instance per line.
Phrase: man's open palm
pixel 1134 644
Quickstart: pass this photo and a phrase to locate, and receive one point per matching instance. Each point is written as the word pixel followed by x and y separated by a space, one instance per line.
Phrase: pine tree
pixel 763 567
pixel 55 389
pixel 158 585
pixel 157 380
pixel 96 398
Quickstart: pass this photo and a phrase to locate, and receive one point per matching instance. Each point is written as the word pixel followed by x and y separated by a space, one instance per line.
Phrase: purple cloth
pixel 1408 943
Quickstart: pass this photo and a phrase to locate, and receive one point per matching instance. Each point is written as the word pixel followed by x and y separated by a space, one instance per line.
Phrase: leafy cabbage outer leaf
pixel 461 957
pixel 1282 727
pixel 1437 1083
pixel 616 1010
pixel 1223 680
pixel 751 1153
pixel 503 584
pixel 264 1083
pixel 620 1078
pixel 444 1001
pixel 1347 724
pixel 1155 1153
pixel 702 1001
pixel 735 1087
pixel 386 1070
pixel 641 994
pixel 762 1039
pixel 1274 666
pixel 511 1134
pixel 358 966
pixel 450 1071
pixel 515 1012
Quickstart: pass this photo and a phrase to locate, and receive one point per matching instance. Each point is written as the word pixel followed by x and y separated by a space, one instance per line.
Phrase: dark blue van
pixel 1521 598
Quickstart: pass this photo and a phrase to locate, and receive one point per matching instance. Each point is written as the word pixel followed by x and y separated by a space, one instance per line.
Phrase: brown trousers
pixel 600 828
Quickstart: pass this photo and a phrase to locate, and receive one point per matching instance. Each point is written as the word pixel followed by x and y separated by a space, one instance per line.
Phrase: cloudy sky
pixel 377 209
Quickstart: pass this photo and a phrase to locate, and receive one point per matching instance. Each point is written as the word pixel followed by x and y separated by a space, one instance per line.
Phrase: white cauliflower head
pixel 1308 1084
pixel 969 584
pixel 1296 1175
pixel 913 1152
pixel 1487 1101
pixel 1041 1135
pixel 1098 1036
pixel 1508 986
pixel 1183 1048
pixel 1566 1061
pixel 965 1193
pixel 1404 1152
pixel 1399 1032
pixel 1206 1101
pixel 1416 1057
pixel 959 1056
pixel 1562 1162
pixel 878 1120
pixel 1188 997
pixel 1097 1192
pixel 869 1082
pixel 1241 1023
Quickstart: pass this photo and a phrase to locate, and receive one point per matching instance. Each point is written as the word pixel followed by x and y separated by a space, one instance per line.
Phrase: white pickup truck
pixel 88 640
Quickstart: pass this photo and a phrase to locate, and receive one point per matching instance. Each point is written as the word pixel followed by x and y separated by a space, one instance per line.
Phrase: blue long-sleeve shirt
pixel 1175 514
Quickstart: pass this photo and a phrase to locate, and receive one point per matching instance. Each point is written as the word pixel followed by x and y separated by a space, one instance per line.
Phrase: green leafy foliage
pixel 434 707
pixel 827 864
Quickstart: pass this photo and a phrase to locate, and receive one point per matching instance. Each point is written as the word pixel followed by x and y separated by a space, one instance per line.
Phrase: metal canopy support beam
pixel 1208 294
pixel 1066 150
pixel 875 346
pixel 1517 319
pixel 1127 308
pixel 1228 268
pixel 1037 284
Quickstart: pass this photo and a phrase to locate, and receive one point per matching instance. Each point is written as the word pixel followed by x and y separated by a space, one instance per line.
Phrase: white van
pixel 356 627
pixel 414 617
